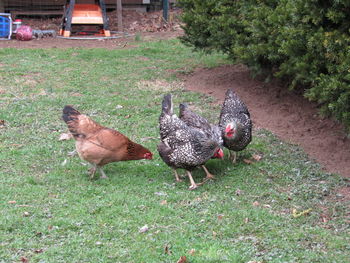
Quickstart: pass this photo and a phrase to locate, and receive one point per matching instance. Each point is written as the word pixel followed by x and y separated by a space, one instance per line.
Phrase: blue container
pixel 4 26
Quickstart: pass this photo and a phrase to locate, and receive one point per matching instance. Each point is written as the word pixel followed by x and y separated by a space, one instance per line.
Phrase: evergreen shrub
pixel 304 42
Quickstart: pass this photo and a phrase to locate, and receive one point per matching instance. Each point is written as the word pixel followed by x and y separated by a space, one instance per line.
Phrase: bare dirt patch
pixel 288 115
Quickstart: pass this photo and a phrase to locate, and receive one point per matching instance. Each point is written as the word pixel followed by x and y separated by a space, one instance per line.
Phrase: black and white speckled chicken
pixel 202 125
pixel 182 146
pixel 235 124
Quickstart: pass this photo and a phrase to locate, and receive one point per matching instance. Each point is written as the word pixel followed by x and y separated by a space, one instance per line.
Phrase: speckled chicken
pixel 202 125
pixel 182 146
pixel 235 124
pixel 100 145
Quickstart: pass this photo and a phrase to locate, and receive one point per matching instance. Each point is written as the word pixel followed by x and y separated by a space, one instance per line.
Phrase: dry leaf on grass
pixel 164 202
pixel 182 259
pixel 192 251
pixel 238 192
pixel 143 229
pixel 256 203
pixel 24 259
pixel 248 161
pixel 297 214
pixel 12 202
pixel 26 214
pixel 257 157
pixel 167 249
pixel 2 122
pixel 65 136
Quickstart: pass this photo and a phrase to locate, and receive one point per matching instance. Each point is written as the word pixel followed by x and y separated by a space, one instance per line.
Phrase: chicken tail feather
pixel 69 114
pixel 167 105
pixel 71 117
pixel 182 107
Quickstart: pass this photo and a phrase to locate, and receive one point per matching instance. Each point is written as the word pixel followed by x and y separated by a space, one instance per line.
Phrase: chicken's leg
pixel 92 171
pixel 177 178
pixel 193 184
pixel 233 156
pixel 103 175
pixel 209 175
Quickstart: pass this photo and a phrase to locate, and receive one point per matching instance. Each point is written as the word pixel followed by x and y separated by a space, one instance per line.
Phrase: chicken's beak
pixel 148 156
pixel 221 154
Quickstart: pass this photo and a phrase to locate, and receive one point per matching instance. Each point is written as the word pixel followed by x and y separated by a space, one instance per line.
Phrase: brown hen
pixel 99 145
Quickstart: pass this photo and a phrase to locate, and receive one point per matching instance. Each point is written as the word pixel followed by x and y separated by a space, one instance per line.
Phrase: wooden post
pixel 119 15
pixel 165 9
pixel 2 6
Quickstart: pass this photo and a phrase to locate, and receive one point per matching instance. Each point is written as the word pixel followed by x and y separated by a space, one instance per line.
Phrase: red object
pixel 24 33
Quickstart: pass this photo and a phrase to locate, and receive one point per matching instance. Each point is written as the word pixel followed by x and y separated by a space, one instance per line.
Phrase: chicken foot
pixel 103 175
pixel 209 175
pixel 93 169
pixel 233 156
pixel 193 183
pixel 177 178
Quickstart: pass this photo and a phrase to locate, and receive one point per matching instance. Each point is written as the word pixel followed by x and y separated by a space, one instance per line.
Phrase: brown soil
pixel 286 114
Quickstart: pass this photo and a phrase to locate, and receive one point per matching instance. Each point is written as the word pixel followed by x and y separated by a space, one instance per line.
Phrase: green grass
pixel 52 212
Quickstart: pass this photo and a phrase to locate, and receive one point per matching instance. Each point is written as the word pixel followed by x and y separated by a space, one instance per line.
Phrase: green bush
pixel 304 42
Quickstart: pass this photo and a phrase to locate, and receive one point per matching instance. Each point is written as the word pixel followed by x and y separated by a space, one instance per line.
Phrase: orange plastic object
pixel 87 14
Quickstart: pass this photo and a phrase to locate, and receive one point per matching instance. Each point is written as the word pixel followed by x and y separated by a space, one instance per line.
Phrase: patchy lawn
pixel 280 208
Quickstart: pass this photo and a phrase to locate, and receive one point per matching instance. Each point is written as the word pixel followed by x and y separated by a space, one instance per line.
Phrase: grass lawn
pixel 51 212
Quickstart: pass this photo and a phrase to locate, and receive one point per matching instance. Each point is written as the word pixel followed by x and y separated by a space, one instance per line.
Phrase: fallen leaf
pixel 297 214
pixel 2 122
pixel 143 229
pixel 164 202
pixel 220 217
pixel 247 161
pixel 246 220
pixel 127 116
pixel 65 136
pixel 192 251
pixel 238 192
pixel 12 202
pixel 64 162
pixel 214 234
pixel 38 251
pixel 182 259
pixel 24 259
pixel 257 157
pixel 167 249
pixel 324 219
pixel 266 206
pixel 26 214
pixel 256 203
